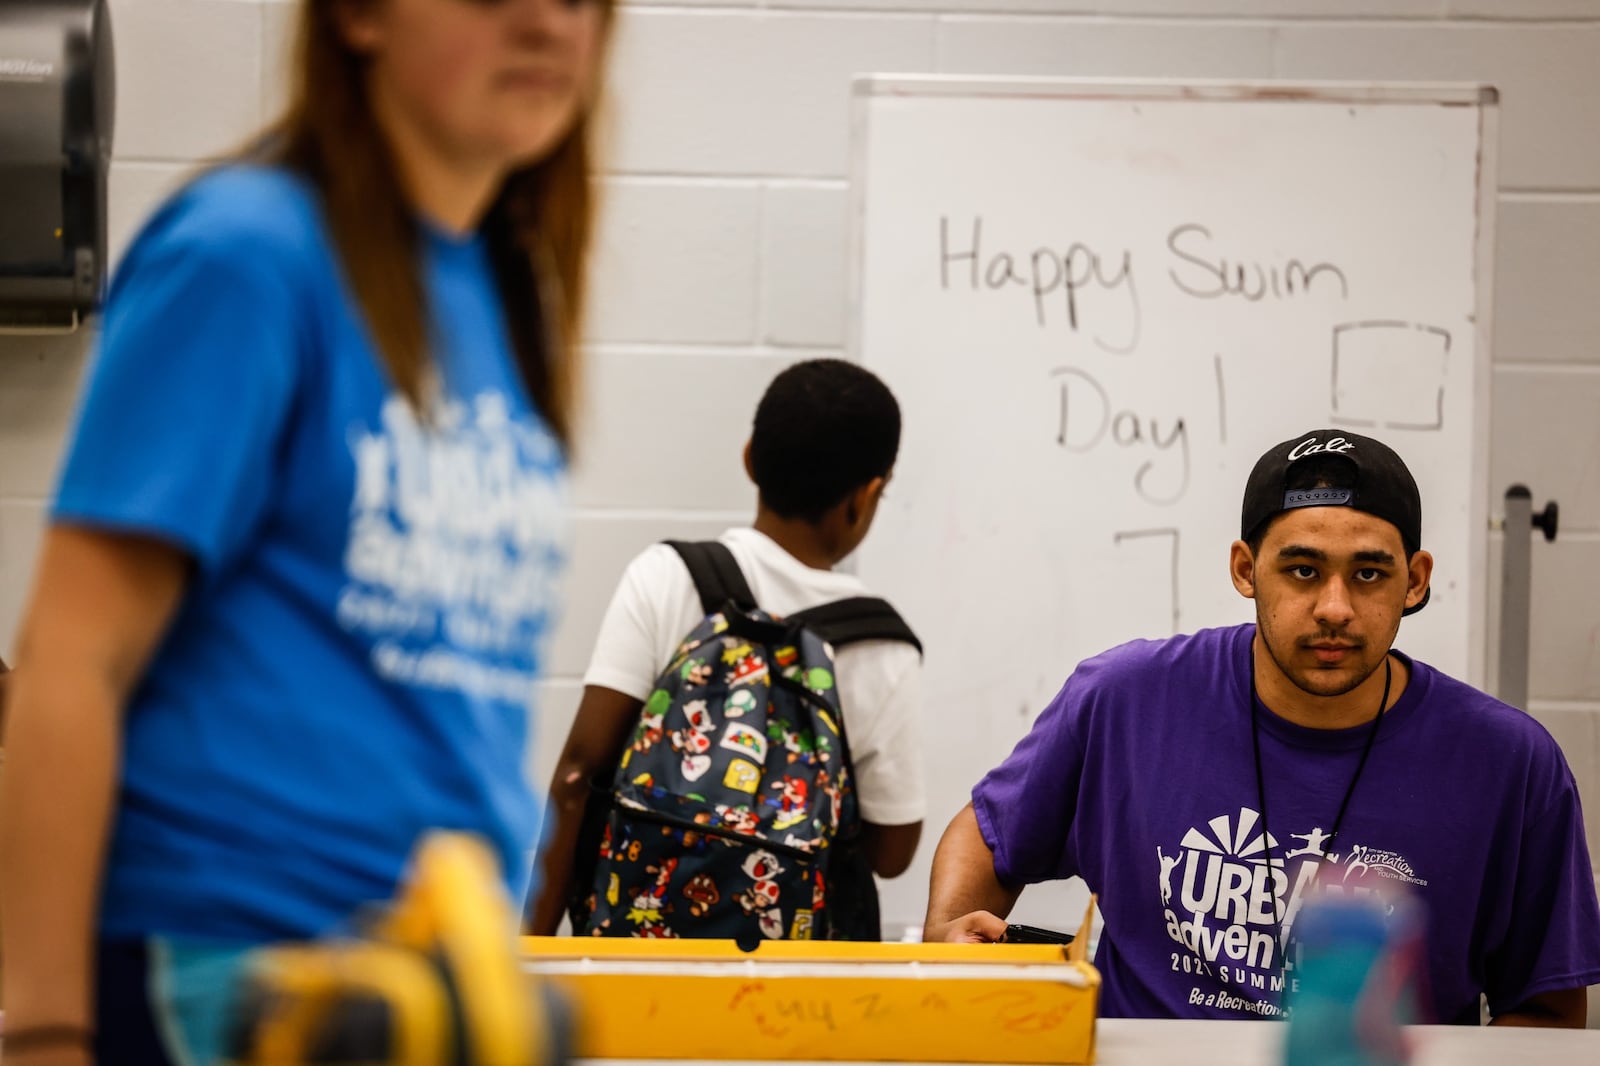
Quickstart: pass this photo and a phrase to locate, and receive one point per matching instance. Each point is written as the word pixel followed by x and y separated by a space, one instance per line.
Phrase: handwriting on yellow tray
pixel 777 1012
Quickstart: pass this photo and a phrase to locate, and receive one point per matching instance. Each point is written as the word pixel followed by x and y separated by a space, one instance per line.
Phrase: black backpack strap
pixel 716 574
pixel 857 618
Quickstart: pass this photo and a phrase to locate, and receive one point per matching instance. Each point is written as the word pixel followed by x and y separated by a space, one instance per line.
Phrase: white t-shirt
pixel 880 681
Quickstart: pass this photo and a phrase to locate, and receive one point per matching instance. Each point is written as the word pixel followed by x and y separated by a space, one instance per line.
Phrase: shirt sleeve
pixel 641 626
pixel 192 383
pixel 1553 942
pixel 1026 805
pixel 886 744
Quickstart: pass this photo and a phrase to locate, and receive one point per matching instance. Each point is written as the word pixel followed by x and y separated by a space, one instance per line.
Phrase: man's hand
pixel 977 927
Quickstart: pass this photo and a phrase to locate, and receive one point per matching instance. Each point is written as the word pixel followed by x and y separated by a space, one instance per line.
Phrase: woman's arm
pixel 99 605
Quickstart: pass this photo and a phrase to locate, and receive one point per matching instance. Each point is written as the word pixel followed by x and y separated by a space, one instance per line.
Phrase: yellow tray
pixel 707 999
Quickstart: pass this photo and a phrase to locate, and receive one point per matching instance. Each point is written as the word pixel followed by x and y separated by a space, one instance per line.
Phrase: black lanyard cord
pixel 1344 804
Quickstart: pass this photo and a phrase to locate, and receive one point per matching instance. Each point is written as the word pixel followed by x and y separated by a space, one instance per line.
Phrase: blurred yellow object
pixel 707 999
pixel 435 980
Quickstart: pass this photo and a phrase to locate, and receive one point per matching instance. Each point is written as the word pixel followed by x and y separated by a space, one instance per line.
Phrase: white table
pixel 1124 1042
pixel 1134 1043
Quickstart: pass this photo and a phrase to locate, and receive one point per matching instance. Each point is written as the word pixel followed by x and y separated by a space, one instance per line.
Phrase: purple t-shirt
pixel 1139 777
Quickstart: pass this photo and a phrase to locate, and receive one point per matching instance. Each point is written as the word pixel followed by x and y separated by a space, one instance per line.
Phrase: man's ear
pixel 1242 569
pixel 749 467
pixel 1419 571
pixel 862 501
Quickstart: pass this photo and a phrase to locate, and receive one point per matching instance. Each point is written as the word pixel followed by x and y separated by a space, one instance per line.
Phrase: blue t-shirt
pixel 1140 778
pixel 353 660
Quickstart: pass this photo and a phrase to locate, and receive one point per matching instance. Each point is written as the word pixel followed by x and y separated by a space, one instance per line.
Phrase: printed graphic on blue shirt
pixel 452 529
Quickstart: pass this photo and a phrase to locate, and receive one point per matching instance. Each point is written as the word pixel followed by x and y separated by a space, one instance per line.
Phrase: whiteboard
pixel 1098 303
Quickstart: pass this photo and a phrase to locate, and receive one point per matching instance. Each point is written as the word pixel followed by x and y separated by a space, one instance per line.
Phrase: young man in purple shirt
pixel 1208 785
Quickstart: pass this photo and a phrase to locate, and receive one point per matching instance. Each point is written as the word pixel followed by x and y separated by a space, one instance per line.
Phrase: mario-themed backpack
pixel 732 811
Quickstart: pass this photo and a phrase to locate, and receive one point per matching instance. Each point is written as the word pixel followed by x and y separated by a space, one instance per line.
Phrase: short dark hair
pixel 824 428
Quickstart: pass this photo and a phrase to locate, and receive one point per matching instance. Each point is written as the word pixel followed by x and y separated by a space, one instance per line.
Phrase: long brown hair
pixel 538 228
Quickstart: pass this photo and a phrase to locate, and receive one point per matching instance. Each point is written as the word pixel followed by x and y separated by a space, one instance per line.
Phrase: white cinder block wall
pixel 723 244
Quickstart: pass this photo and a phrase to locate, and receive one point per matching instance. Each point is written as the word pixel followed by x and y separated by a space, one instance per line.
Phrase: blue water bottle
pixel 1355 989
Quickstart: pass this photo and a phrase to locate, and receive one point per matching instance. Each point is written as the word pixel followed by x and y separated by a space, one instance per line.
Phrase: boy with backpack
pixel 714 769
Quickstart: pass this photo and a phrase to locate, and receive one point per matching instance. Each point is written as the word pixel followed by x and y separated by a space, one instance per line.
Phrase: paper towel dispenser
pixel 57 87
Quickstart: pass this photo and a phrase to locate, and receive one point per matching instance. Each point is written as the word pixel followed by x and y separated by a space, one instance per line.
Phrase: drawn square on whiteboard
pixel 1389 374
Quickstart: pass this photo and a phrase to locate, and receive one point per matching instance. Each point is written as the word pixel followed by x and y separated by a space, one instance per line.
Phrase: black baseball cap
pixel 1368 476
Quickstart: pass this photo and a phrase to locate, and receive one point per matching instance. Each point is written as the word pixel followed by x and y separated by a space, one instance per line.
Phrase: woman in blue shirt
pixel 303 556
